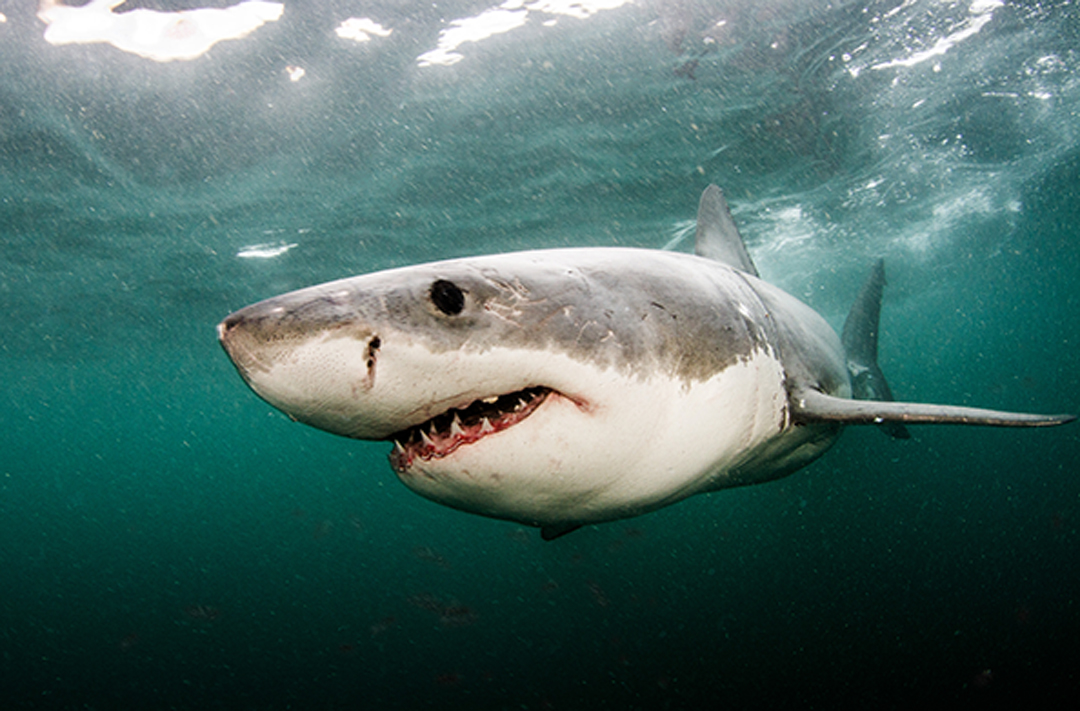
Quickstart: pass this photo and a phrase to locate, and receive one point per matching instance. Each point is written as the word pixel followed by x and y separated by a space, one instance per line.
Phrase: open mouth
pixel 443 434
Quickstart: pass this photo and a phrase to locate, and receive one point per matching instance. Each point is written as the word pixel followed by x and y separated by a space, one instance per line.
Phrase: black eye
pixel 447 297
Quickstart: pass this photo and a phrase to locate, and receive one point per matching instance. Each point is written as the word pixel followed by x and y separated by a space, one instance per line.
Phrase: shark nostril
pixel 373 348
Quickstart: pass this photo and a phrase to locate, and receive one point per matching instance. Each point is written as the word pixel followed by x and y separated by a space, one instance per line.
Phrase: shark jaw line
pixel 443 434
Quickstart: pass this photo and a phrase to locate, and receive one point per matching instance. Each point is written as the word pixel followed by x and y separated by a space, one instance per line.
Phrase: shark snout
pixel 312 359
pixel 256 336
pixel 225 330
pixel 237 344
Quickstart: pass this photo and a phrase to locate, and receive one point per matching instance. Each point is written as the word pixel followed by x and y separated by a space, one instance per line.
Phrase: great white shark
pixel 558 388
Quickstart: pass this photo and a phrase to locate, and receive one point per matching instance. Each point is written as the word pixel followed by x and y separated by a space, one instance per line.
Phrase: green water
pixel 167 540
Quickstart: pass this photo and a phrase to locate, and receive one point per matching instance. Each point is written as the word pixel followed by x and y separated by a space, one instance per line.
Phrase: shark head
pixel 544 387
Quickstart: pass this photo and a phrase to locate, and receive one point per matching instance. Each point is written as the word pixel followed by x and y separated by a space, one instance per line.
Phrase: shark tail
pixel 872 401
pixel 860 339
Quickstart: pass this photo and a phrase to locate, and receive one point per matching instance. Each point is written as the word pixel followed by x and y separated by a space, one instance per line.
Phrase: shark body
pixel 558 388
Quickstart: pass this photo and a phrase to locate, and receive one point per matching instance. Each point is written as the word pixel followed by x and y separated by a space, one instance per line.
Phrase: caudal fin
pixel 872 401
pixel 860 339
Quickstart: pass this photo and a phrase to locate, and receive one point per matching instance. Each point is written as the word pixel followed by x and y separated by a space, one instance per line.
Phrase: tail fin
pixel 868 384
pixel 860 339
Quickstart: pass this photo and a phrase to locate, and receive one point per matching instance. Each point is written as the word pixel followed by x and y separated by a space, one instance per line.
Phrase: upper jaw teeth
pixel 444 433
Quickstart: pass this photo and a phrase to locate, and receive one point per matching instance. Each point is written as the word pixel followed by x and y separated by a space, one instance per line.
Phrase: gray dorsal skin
pixel 717 237
pixel 860 339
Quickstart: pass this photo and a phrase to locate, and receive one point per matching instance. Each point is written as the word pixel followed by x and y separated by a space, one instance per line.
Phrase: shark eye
pixel 447 297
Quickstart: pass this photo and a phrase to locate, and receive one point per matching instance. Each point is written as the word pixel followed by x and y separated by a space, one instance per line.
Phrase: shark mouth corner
pixel 443 434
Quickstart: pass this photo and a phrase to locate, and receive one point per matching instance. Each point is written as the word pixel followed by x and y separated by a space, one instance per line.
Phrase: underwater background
pixel 169 541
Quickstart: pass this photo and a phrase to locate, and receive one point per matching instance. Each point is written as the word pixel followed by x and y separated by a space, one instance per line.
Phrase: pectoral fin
pixel 813 406
pixel 550 533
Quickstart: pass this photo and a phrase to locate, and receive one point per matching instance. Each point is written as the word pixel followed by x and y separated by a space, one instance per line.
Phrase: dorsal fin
pixel 813 406
pixel 717 236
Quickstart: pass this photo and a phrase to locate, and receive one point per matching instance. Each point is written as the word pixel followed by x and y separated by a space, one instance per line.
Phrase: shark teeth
pixel 443 434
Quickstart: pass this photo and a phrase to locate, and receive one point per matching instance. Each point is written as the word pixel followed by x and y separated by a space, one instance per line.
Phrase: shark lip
pixel 445 433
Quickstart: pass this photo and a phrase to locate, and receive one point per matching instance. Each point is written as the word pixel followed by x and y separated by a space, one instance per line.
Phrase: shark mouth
pixel 443 434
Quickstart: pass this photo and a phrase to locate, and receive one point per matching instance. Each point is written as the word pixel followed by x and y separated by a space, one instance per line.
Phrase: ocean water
pixel 169 541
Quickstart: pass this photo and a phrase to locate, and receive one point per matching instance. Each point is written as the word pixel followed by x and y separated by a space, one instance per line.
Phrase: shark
pixel 566 387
